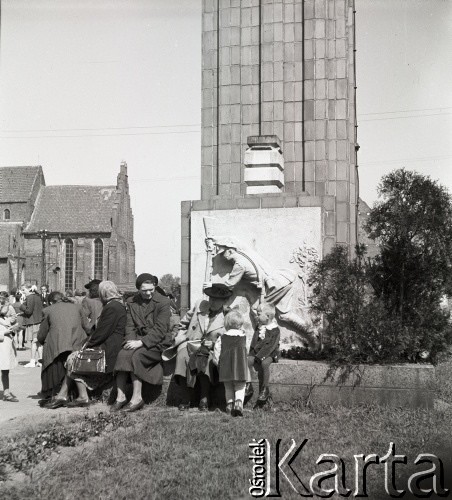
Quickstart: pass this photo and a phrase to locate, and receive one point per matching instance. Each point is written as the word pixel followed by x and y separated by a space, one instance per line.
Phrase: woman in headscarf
pixel 147 335
pixel 108 335
pixel 60 333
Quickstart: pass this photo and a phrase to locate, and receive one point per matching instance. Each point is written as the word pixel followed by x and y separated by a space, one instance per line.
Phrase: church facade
pixel 64 236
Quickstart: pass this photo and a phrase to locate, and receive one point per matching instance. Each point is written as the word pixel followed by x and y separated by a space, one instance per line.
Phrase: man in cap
pixel 197 332
pixel 91 306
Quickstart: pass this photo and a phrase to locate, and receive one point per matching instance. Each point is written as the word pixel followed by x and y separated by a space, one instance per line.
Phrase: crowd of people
pixel 135 334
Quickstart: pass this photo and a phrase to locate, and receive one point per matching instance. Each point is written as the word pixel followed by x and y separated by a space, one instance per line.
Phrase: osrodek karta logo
pixel 272 465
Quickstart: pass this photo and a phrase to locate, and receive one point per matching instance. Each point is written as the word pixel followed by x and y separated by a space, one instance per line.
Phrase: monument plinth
pixel 278 150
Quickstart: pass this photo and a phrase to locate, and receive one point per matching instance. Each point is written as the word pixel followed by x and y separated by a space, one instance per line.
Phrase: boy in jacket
pixel 264 349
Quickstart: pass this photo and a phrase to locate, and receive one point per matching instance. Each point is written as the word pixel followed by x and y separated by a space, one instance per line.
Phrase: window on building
pixel 69 265
pixel 98 259
pixel 6 214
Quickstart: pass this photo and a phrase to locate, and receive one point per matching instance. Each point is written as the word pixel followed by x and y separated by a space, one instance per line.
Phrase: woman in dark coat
pixel 147 335
pixel 108 335
pixel 60 333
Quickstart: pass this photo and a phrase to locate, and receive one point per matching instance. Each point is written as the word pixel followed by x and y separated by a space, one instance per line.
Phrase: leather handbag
pixel 89 361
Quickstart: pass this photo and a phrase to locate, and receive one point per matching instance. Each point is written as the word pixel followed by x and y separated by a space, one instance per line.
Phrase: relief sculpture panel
pixel 260 255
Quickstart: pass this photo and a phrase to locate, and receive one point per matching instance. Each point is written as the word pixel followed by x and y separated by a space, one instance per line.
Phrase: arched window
pixel 69 265
pixel 6 214
pixel 98 259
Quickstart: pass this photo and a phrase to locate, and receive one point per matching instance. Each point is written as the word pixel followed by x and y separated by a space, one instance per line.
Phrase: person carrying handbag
pixel 105 340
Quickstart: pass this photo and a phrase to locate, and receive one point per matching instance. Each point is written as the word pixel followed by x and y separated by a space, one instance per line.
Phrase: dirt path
pixel 25 383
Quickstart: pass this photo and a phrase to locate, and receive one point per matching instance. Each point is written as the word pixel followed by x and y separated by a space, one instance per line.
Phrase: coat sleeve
pixel 217 350
pixel 85 313
pixel 184 323
pixel 131 328
pixel 254 342
pixel 28 306
pixel 155 335
pixel 106 325
pixel 43 329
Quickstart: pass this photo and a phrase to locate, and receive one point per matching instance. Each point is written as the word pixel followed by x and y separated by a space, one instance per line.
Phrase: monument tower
pixel 278 131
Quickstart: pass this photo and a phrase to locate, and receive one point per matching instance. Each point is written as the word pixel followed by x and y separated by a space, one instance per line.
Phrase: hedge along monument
pixel 279 168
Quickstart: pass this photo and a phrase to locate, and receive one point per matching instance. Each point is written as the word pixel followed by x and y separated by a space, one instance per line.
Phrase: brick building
pixel 86 231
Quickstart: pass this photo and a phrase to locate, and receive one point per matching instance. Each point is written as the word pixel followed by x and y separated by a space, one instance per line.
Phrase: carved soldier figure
pixel 275 285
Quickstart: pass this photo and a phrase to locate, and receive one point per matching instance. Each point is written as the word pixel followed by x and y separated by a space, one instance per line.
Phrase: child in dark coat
pixel 230 355
pixel 264 349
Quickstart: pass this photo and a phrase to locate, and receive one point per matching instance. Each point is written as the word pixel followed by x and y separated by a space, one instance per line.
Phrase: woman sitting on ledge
pixel 60 334
pixel 109 336
pixel 147 335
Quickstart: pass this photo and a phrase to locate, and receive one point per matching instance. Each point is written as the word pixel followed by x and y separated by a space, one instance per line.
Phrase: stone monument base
pixel 407 386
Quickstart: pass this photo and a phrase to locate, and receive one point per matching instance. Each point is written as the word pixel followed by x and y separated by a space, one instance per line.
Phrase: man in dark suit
pixel 264 347
pixel 45 295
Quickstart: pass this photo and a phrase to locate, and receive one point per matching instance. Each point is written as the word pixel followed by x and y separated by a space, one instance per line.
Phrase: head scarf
pixel 108 291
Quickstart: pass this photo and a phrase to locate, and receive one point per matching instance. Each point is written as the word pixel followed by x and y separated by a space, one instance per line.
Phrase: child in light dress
pixel 230 355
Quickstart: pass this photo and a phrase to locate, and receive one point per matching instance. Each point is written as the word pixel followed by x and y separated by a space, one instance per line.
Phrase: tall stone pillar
pixel 282 68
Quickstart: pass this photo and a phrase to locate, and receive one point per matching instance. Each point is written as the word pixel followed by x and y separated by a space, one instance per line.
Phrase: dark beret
pixel 146 277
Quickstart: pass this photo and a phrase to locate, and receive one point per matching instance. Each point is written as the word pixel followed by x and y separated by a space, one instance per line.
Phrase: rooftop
pixel 16 183
pixel 73 209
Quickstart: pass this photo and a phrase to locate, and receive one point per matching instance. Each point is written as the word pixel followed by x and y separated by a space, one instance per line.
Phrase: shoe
pixel 229 407
pixel 203 405
pixel 31 364
pixel 131 408
pixel 249 390
pixel 44 402
pixel 10 398
pixel 56 403
pixel 238 409
pixel 117 405
pixel 263 395
pixel 79 403
pixel 184 406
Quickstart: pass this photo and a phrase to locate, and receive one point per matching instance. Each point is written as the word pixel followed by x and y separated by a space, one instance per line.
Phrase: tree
pixel 171 284
pixel 413 224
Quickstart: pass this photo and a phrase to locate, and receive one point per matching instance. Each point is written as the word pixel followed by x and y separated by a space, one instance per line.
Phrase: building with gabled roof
pixel 86 232
pixel 19 188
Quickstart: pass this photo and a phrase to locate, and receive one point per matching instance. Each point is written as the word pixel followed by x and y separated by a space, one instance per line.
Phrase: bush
pixel 389 308
pixel 357 327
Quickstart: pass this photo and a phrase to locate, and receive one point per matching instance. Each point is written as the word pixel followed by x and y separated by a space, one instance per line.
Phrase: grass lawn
pixel 162 453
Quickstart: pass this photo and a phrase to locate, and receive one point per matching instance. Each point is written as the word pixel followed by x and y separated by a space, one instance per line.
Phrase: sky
pixel 85 85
